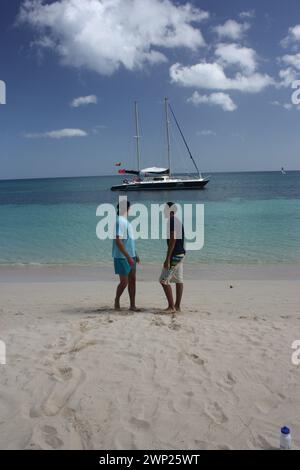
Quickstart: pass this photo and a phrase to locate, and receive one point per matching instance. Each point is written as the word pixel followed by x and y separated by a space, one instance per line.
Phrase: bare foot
pixel 178 309
pixel 170 310
pixel 135 309
pixel 117 305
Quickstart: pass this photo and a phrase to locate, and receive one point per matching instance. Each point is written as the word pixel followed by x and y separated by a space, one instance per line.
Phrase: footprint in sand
pixel 50 437
pixel 229 379
pixel 202 445
pixel 140 424
pixel 224 447
pixel 158 322
pixel 66 372
pixel 264 406
pixel 83 326
pixel 197 359
pixel 105 308
pixel 216 413
pixel 81 430
pixel 260 442
pixel 62 342
pixel 174 326
pixel 82 345
pixel 67 381
pixel 141 430
pixel 45 437
pixel 86 326
pixel 227 383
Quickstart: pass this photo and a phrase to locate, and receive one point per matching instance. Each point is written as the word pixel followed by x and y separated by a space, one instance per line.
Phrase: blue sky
pixel 226 66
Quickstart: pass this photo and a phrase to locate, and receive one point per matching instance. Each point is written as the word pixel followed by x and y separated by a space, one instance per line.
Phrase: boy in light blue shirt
pixel 125 256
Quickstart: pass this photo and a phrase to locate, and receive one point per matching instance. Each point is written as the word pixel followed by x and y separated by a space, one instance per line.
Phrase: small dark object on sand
pixel 231 287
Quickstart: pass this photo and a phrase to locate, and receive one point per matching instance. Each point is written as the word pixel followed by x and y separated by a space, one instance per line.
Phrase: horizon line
pixel 112 175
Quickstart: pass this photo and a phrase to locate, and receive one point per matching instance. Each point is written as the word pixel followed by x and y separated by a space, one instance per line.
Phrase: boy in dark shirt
pixel 173 266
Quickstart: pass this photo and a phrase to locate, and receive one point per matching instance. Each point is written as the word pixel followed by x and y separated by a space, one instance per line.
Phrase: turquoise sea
pixel 249 218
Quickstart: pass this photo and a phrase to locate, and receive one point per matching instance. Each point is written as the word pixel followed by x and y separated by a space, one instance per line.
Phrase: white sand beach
pixel 81 376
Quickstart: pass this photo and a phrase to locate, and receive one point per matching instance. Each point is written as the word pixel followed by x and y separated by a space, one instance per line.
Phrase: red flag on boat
pixel 122 172
pixel 118 164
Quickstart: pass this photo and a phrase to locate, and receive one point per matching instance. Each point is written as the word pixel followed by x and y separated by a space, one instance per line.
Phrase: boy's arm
pixel 122 248
pixel 171 247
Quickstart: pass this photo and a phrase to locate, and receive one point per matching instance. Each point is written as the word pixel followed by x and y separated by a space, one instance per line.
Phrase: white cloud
pixel 104 35
pixel 212 76
pixel 84 101
pixel 234 54
pixel 287 76
pixel 58 134
pixel 206 132
pixel 292 59
pixel 287 106
pixel 292 36
pixel 231 29
pixel 98 129
pixel 216 99
pixel 275 103
pixel 247 14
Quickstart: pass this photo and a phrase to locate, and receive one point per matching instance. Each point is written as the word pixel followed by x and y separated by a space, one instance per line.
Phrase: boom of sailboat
pixel 155 178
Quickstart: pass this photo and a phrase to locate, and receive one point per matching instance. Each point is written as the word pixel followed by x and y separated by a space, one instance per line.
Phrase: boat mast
pixel 137 136
pixel 168 134
pixel 185 142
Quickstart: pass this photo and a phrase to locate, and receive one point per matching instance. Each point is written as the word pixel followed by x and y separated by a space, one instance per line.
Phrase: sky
pixel 73 69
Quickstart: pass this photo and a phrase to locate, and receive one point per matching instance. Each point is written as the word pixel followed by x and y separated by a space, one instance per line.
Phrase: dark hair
pixel 172 204
pixel 122 206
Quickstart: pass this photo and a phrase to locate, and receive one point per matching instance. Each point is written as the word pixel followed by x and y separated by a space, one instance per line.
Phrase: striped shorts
pixel 175 273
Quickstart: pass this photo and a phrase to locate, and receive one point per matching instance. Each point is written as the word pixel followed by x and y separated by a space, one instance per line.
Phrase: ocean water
pixel 249 218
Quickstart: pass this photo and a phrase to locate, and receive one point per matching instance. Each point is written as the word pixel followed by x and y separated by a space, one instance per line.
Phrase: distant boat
pixel 160 178
pixel 283 172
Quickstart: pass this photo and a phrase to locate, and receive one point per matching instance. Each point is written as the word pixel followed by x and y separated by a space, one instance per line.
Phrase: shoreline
pixel 148 272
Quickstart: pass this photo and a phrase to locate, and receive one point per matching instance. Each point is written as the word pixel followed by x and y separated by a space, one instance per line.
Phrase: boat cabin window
pixel 158 179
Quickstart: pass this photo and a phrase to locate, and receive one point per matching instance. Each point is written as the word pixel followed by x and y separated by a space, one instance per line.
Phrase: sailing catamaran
pixel 160 178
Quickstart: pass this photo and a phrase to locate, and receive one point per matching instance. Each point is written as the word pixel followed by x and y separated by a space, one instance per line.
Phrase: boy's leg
pixel 132 288
pixel 120 289
pixel 178 279
pixel 164 281
pixel 169 295
pixel 179 291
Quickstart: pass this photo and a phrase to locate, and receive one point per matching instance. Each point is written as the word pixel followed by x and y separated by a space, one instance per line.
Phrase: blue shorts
pixel 122 267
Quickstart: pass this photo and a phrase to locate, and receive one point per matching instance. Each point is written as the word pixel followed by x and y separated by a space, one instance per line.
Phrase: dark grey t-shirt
pixel 177 227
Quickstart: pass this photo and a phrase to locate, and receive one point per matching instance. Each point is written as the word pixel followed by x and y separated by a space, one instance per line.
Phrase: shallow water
pixel 249 218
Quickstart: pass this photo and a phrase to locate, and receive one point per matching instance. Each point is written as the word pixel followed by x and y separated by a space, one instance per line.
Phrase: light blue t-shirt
pixel 124 231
